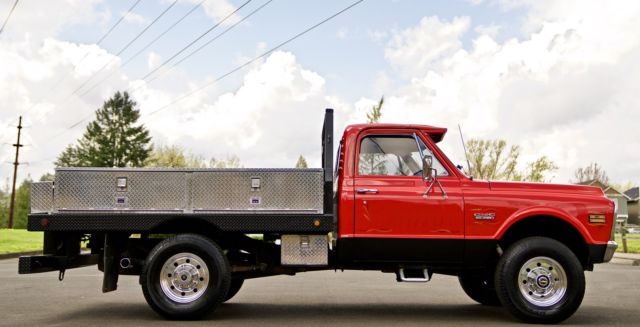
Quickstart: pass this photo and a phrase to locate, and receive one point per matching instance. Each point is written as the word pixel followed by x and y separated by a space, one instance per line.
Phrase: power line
pixel 124 48
pixel 264 54
pixel 210 41
pixel 118 22
pixel 102 38
pixel 8 16
pixel 175 55
pixel 145 47
pixel 197 39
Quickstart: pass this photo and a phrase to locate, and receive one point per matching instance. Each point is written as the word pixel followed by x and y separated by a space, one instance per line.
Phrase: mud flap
pixel 110 279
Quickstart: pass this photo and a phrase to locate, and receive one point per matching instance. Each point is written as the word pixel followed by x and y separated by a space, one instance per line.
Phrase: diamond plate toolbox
pixel 182 190
pixel 41 197
pixel 304 250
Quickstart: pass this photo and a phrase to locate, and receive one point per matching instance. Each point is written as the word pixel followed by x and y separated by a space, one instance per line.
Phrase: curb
pixel 18 254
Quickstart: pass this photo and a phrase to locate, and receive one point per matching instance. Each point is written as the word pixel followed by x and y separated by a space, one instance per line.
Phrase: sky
pixel 558 78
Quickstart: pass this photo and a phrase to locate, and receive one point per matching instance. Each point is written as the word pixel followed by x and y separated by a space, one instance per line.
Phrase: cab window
pixel 394 155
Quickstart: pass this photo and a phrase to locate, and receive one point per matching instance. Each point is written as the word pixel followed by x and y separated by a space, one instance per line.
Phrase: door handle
pixel 367 191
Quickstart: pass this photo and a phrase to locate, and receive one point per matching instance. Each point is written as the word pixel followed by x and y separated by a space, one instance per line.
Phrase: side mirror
pixel 427 171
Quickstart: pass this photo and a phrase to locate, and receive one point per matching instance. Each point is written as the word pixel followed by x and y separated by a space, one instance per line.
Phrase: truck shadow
pixel 245 314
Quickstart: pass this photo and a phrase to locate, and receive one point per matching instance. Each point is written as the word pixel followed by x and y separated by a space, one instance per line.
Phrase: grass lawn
pixel 19 240
pixel 633 245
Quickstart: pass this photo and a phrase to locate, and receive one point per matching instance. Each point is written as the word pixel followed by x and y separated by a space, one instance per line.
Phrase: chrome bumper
pixel 611 249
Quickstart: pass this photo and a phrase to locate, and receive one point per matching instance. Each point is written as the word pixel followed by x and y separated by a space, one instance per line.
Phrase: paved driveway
pixel 351 298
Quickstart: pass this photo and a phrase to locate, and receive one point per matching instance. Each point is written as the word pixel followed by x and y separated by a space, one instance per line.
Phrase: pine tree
pixel 302 162
pixel 113 139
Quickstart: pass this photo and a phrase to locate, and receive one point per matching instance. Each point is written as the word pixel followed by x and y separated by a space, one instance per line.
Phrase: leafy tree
pixel 22 205
pixel 113 139
pixel 231 161
pixel 302 162
pixel 591 172
pixel 175 157
pixel 492 160
pixel 47 177
pixel 374 116
pixel 4 208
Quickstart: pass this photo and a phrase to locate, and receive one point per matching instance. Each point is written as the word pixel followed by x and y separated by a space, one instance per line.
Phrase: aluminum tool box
pixel 180 191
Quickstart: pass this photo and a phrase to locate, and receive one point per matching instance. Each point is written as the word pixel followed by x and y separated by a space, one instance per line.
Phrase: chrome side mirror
pixel 427 170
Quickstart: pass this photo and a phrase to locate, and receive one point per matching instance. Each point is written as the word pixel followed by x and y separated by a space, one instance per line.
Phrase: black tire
pixel 551 287
pixel 234 288
pixel 212 276
pixel 480 288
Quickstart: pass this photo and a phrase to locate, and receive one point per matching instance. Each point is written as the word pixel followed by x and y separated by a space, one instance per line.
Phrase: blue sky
pixel 541 74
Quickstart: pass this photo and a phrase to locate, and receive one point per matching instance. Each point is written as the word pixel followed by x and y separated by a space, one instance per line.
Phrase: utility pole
pixel 15 174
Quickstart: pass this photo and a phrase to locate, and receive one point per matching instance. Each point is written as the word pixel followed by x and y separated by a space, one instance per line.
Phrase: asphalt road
pixel 351 298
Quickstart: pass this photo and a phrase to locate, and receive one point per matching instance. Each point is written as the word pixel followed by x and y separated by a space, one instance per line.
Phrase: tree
pixel 232 161
pixel 591 172
pixel 175 157
pixel 490 160
pixel 374 116
pixel 23 204
pixel 113 139
pixel 302 162
pixel 4 206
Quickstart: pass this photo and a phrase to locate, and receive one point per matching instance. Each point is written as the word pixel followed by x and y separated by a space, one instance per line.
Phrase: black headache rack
pixel 63 230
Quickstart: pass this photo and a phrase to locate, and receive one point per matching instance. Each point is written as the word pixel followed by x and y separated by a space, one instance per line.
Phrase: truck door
pixel 394 219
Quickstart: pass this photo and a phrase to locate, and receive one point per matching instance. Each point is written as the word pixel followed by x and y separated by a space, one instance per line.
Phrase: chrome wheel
pixel 542 281
pixel 184 277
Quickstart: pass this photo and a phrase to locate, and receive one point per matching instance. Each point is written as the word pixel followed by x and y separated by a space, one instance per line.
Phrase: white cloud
pixel 564 90
pixel 256 122
pixel 430 42
pixel 153 60
pixel 218 9
pixel 133 18
pixel 342 33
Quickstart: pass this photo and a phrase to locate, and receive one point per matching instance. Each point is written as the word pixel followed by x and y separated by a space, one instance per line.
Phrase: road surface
pixel 352 298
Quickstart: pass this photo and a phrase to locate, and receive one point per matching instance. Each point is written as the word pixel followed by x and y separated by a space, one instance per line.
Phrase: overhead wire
pixel 86 54
pixel 125 47
pixel 249 62
pixel 6 20
pixel 209 42
pixel 130 59
pixel 167 61
pixel 197 39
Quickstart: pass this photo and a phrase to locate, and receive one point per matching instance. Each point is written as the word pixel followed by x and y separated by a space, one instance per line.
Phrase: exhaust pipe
pixel 125 263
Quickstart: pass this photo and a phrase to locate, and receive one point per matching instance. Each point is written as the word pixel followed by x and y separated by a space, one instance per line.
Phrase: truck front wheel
pixel 185 276
pixel 540 280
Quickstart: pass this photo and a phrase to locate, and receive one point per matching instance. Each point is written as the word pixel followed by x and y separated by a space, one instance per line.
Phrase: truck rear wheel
pixel 479 288
pixel 234 288
pixel 185 276
pixel 539 280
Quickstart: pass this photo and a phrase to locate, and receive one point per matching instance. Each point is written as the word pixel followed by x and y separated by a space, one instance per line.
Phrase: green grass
pixel 633 244
pixel 19 240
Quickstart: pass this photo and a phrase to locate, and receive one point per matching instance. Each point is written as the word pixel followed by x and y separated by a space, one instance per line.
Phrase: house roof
pixel 607 189
pixel 633 193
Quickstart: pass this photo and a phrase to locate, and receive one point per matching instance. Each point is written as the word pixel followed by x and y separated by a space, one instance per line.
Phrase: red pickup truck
pixel 393 203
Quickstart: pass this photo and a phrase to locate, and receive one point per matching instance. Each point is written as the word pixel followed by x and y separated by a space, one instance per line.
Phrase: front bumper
pixel 611 249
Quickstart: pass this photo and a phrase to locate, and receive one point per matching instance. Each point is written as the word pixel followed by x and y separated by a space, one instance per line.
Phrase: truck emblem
pixel 485 216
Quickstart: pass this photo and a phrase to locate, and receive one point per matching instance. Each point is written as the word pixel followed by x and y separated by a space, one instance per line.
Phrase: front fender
pixel 544 211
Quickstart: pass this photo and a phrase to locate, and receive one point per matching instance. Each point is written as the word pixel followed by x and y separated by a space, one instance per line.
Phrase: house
pixel 620 199
pixel 632 205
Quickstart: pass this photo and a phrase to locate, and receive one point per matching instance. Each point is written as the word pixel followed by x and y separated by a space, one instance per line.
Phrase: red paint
pixel 399 209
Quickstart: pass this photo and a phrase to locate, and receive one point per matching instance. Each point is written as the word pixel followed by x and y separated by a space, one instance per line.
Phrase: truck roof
pixel 436 133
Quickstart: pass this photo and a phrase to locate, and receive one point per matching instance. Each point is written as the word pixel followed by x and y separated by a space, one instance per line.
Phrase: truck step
pixel 413 275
